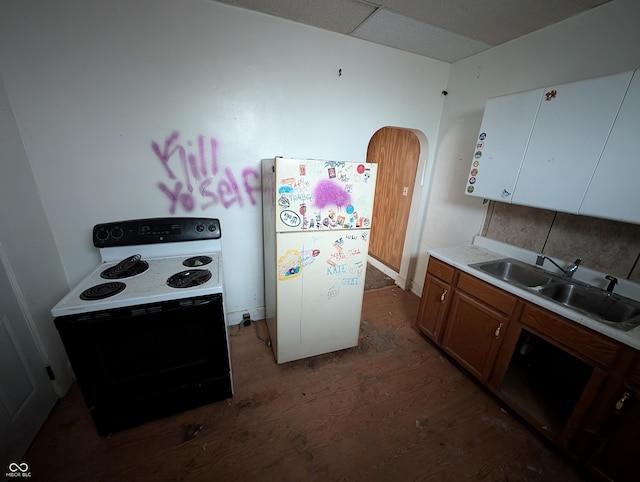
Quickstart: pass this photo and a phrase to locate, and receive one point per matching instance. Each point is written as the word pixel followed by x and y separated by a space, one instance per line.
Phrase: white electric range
pixel 198 264
pixel 145 331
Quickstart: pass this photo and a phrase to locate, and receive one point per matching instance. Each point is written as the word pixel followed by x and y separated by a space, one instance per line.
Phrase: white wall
pixel 601 41
pixel 93 84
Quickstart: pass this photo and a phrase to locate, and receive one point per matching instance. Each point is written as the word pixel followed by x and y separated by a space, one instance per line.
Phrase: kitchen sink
pixel 608 308
pixel 515 272
pixel 603 305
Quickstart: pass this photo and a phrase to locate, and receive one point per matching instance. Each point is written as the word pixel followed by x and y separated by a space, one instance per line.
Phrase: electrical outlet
pixel 246 319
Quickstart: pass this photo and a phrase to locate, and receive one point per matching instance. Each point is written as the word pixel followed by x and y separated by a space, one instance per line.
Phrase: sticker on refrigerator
pixel 283 201
pixel 550 95
pixel 290 218
pixel 302 169
pixel 482 136
pixel 478 154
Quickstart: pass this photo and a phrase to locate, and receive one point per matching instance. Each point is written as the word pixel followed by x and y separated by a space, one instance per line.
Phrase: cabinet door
pixel 433 307
pixel 506 127
pixel 618 458
pixel 568 137
pixel 613 192
pixel 473 334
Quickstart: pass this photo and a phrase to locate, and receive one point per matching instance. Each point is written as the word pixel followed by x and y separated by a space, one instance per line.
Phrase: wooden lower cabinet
pixel 477 319
pixel 617 456
pixel 472 334
pixel 435 299
pixel 561 377
pixel 433 307
pixel 550 381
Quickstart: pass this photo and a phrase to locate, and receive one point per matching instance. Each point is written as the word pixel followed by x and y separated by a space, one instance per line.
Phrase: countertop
pixel 484 249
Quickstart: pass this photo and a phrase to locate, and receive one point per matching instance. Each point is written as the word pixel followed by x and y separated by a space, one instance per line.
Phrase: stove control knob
pixel 212 228
pixel 200 228
pixel 117 232
pixel 102 234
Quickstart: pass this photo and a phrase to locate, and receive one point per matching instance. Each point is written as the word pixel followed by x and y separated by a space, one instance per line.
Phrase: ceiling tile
pixel 341 16
pixel 394 30
pixel 491 21
pixel 447 30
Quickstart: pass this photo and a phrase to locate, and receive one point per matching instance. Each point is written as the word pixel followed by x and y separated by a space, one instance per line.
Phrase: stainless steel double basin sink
pixel 600 305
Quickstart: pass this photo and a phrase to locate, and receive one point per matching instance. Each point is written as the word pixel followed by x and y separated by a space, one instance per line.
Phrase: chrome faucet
pixel 613 281
pixel 568 271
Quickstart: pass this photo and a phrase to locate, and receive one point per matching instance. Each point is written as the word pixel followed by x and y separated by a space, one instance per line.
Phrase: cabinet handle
pixel 620 403
pixel 497 333
pixel 443 295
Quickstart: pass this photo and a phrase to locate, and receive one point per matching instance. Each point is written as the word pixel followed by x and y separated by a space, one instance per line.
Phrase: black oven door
pixel 145 362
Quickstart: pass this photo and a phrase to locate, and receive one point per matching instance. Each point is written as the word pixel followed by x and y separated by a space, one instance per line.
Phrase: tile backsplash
pixel 607 246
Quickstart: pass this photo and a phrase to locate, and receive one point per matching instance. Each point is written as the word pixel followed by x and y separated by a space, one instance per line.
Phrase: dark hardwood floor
pixel 392 409
pixel 376 279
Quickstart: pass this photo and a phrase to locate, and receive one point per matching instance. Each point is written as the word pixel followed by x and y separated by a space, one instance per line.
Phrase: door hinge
pixel 52 376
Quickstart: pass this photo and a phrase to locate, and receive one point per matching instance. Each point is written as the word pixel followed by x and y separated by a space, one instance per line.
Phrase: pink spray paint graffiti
pixel 199 178
pixel 328 192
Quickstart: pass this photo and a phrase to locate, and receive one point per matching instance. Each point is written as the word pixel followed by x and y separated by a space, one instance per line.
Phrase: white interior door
pixel 26 393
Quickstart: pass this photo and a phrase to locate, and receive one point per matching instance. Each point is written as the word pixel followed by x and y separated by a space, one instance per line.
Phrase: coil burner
pixel 189 278
pixel 102 291
pixel 196 261
pixel 126 268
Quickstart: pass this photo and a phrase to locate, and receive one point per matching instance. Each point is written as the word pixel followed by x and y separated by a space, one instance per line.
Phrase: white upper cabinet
pixel 569 135
pixel 566 148
pixel 506 127
pixel 614 192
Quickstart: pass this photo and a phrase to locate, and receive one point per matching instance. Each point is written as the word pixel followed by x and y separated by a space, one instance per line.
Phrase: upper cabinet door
pixel 506 127
pixel 570 131
pixel 614 192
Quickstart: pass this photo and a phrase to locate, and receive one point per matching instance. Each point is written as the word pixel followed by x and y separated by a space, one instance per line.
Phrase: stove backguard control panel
pixel 155 230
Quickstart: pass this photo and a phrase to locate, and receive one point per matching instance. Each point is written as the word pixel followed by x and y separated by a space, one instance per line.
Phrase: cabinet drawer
pixel 440 270
pixel 583 341
pixel 492 296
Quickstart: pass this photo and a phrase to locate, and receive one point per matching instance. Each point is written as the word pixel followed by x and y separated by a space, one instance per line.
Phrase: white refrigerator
pixel 316 222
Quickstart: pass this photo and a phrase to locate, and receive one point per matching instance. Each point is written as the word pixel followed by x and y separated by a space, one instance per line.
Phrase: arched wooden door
pixel 397 152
